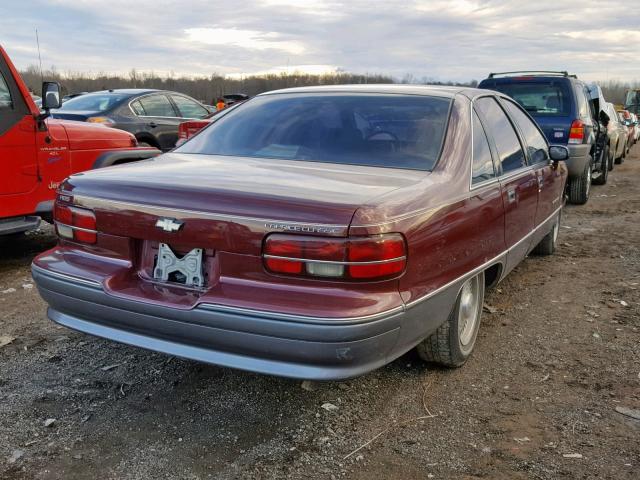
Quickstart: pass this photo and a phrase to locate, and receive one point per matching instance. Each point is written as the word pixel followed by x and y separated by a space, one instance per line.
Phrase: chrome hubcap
pixel 588 181
pixel 556 228
pixel 468 312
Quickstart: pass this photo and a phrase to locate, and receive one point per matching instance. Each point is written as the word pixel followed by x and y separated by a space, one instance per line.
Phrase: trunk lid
pixel 229 203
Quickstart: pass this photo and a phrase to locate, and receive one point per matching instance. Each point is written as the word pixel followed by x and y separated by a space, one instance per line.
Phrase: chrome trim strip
pixel 309 260
pixel 304 318
pixel 64 276
pixel 481 267
pixel 75 228
pixel 94 202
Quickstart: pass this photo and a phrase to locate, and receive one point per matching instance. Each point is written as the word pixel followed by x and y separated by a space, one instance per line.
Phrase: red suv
pixel 38 152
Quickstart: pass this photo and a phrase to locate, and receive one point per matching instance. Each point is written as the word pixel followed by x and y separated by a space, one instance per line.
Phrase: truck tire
pixel 548 244
pixel 620 159
pixel 580 187
pixel 604 167
pixel 451 345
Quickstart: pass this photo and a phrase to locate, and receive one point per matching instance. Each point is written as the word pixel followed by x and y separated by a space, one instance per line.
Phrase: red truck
pixel 37 152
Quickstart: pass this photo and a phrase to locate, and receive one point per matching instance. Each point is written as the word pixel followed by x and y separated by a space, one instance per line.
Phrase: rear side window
pixel 189 108
pixel 398 131
pixel 482 168
pixel 157 106
pixel 5 95
pixel 137 108
pixel 539 98
pixel 499 127
pixel 536 143
pixel 584 110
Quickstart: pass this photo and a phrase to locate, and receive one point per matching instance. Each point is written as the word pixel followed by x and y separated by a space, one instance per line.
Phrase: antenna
pixel 39 56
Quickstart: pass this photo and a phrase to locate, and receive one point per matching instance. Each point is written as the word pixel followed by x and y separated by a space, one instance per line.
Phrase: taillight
pixel 74 223
pixel 357 258
pixel 576 133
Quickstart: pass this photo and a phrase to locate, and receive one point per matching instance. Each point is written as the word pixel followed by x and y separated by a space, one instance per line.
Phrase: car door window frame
pixel 521 135
pixel 502 175
pixel 173 107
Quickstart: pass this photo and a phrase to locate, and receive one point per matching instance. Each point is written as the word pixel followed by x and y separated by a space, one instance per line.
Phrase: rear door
pixel 161 119
pixel 550 184
pixel 18 159
pixel 518 181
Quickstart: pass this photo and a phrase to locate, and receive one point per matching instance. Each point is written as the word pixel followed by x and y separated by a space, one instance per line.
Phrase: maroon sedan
pixel 313 233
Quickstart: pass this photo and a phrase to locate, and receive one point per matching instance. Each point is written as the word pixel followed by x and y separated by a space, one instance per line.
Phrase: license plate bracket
pixel 185 270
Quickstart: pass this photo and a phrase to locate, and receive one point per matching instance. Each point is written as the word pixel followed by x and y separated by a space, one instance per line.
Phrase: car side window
pixel 504 136
pixel 5 95
pixel 157 106
pixel 137 108
pixel 584 110
pixel 189 108
pixel 536 144
pixel 482 168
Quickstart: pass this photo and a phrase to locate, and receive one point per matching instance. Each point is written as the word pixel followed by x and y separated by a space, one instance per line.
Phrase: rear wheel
pixel 548 244
pixel 604 167
pixel 580 187
pixel 451 345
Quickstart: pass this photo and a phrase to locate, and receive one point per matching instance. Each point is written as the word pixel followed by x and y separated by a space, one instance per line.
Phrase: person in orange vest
pixel 220 105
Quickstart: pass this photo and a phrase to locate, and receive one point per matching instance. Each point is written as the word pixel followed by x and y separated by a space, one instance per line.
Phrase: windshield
pixel 399 131
pixel 98 102
pixel 539 98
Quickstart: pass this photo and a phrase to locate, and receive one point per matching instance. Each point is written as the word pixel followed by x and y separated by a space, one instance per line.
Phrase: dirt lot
pixel 559 353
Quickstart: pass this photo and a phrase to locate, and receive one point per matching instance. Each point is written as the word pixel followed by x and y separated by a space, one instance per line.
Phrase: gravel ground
pixel 558 352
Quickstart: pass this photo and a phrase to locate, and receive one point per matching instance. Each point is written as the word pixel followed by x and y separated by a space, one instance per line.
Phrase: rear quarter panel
pixel 450 230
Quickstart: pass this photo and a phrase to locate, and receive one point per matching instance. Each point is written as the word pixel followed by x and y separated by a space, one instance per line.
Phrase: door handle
pixel 152 124
pixel 511 195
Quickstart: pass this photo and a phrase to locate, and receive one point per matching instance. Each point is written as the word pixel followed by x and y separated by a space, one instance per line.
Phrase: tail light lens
pixel 74 223
pixel 357 258
pixel 576 133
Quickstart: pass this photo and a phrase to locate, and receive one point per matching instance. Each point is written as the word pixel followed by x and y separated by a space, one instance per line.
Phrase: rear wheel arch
pixel 148 139
pixel 492 275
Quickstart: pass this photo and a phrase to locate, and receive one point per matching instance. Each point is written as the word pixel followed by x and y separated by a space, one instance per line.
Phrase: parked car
pixel 559 103
pixel 627 119
pixel 38 152
pixel 315 232
pixel 188 129
pixel 152 116
pixel 617 133
pixel 634 119
pixel 632 101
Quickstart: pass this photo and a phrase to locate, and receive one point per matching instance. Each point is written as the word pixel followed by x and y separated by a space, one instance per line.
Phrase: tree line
pixel 208 88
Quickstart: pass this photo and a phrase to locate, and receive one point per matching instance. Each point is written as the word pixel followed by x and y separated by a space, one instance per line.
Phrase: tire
pixel 548 244
pixel 620 159
pixel 450 345
pixel 604 167
pixel 580 187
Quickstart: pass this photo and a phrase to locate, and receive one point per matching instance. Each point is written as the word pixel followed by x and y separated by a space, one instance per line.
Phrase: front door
pixel 518 181
pixel 18 159
pixel 549 180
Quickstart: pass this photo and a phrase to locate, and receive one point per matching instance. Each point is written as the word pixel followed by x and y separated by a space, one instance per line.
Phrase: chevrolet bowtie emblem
pixel 169 224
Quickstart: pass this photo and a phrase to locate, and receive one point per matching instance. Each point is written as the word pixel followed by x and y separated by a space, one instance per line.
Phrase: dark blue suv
pixel 562 107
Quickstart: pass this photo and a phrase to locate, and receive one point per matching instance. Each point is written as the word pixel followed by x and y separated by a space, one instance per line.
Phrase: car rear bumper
pixel 18 224
pixel 579 158
pixel 264 342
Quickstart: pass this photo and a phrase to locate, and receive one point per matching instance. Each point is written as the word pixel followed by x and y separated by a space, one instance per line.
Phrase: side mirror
pixel 558 153
pixel 51 95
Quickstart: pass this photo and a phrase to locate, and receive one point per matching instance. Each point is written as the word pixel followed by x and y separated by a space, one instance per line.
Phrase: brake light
pixel 576 132
pixel 356 258
pixel 74 223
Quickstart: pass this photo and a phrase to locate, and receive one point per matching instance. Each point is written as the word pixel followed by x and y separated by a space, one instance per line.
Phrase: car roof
pixel 126 91
pixel 397 89
pixel 531 79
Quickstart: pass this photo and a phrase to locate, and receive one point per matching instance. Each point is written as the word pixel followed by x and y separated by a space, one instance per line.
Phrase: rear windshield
pixel 399 131
pixel 539 98
pixel 97 102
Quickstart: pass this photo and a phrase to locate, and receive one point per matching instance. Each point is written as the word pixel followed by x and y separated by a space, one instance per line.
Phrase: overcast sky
pixel 443 40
